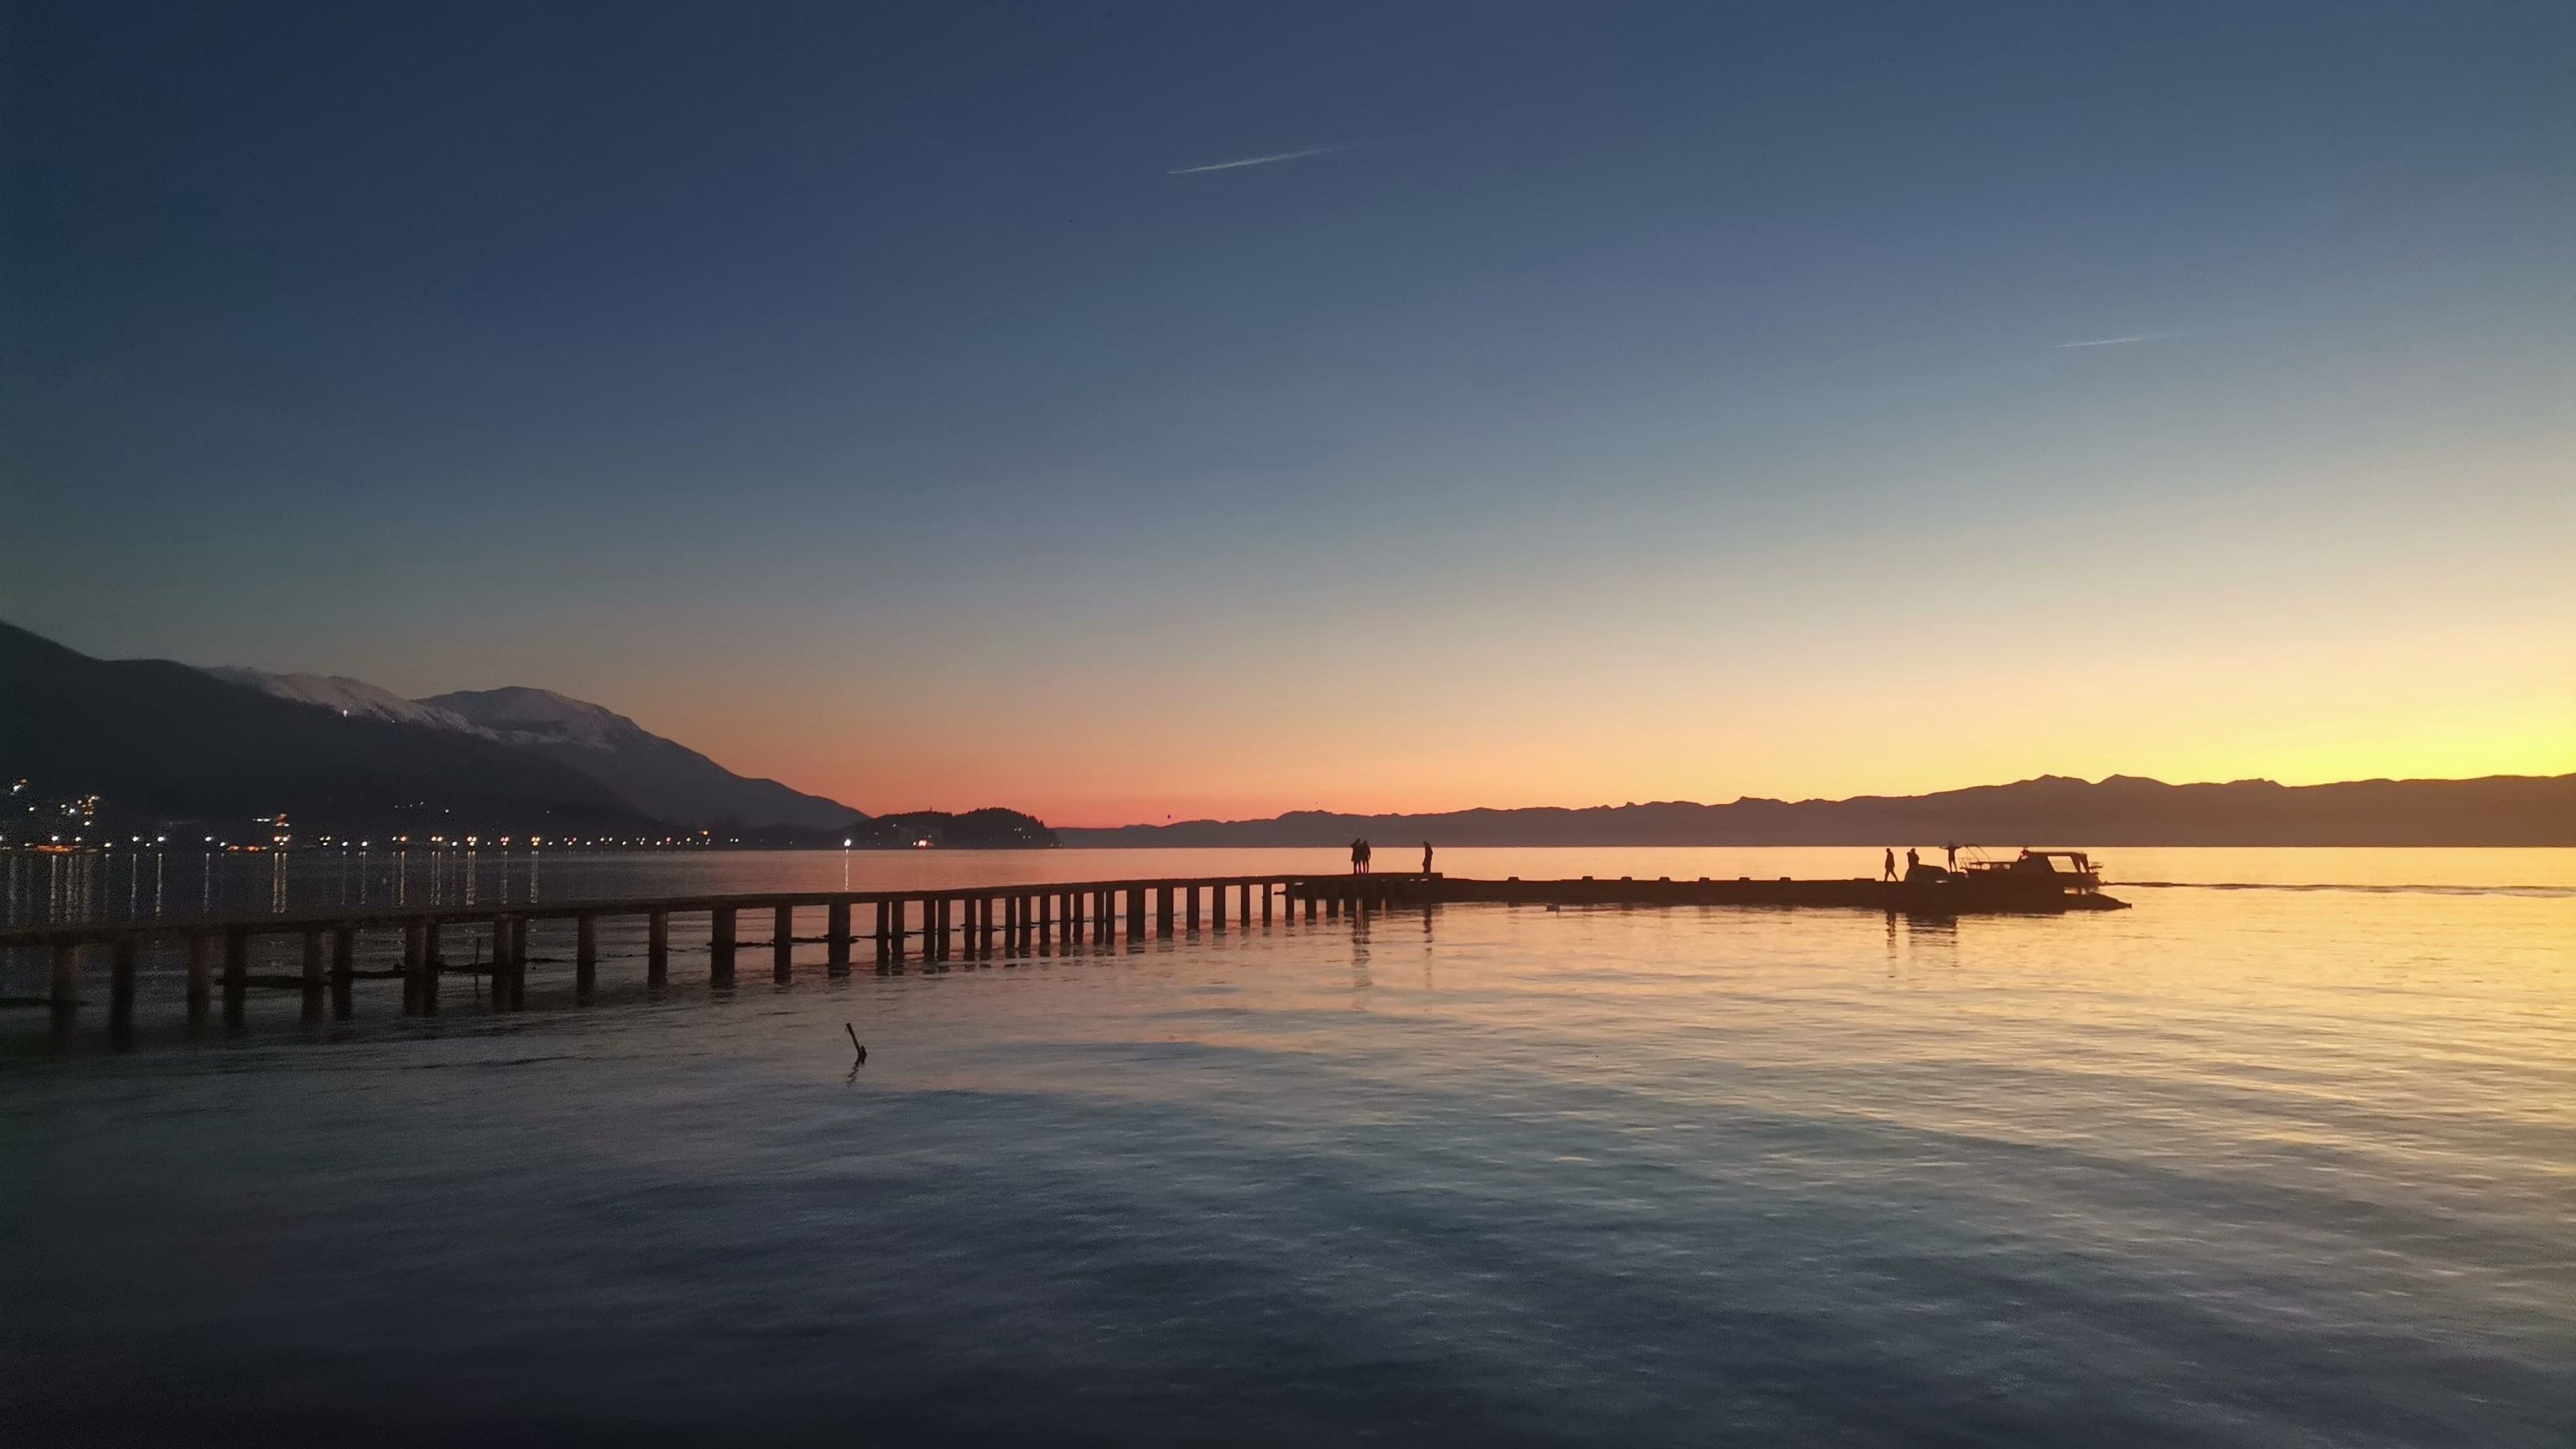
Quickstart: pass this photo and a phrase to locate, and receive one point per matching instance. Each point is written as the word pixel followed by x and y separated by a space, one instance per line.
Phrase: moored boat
pixel 2039 880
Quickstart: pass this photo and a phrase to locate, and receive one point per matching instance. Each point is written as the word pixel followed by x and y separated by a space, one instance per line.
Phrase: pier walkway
pixel 933 925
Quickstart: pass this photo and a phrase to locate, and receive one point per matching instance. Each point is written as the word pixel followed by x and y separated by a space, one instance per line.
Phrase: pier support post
pixel 836 938
pixel 1266 892
pixel 312 976
pixel 1136 913
pixel 63 993
pixel 1162 910
pixel 657 948
pixel 505 955
pixel 236 973
pixel 1216 907
pixel 518 976
pixel 120 987
pixel 344 971
pixel 585 954
pixel 411 967
pixel 984 922
pixel 720 946
pixel 201 975
pixel 1193 893
pixel 518 963
pixel 1013 909
pixel 782 945
pixel 889 931
pixel 431 963
pixel 943 909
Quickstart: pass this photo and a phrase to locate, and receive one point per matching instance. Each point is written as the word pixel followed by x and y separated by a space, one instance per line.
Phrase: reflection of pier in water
pixel 417 945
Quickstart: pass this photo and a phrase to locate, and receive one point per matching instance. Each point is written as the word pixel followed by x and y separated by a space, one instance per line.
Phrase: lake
pixel 2284 1155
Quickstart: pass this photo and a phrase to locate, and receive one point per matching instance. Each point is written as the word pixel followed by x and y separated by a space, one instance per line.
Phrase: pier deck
pixel 933 925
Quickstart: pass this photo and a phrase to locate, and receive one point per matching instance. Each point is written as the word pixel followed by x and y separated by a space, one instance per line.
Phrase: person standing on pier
pixel 1911 861
pixel 1359 854
pixel 1888 870
pixel 1426 857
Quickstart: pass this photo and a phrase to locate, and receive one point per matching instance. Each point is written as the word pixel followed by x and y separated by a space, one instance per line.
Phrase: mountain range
pixel 167 740
pixel 2049 810
pixel 658 778
pixel 162 741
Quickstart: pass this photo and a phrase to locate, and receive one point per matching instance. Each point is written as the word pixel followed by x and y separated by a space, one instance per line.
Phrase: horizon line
pixel 1807 800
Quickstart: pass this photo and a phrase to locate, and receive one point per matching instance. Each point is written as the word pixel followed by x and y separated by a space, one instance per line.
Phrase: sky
pixel 1138 412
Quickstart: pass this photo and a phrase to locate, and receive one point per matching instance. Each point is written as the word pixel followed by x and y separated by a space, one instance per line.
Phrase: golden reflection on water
pixel 1637 1157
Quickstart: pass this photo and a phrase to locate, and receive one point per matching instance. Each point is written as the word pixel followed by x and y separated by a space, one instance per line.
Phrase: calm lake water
pixel 2285 1155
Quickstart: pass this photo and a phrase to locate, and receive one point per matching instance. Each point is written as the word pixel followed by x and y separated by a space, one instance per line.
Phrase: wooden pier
pixel 896 927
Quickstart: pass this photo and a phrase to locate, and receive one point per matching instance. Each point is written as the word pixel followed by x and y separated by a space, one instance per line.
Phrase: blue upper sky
pixel 865 354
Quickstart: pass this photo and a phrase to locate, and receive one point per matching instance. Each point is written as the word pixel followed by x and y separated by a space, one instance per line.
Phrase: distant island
pixel 986 829
pixel 2050 810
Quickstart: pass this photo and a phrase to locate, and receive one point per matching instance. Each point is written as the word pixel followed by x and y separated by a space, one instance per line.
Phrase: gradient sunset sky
pixel 1122 413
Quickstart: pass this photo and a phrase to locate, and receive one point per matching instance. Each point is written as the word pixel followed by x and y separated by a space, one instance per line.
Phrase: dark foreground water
pixel 2254 1166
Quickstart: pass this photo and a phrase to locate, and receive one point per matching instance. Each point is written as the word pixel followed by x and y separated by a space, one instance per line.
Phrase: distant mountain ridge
pixel 655 777
pixel 165 741
pixel 2049 810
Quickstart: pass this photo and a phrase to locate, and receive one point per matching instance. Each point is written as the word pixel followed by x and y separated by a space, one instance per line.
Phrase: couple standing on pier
pixel 1360 857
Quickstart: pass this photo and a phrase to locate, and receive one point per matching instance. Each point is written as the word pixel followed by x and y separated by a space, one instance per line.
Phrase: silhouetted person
pixel 1359 853
pixel 1366 855
pixel 1950 857
pixel 1911 861
pixel 1888 871
pixel 1426 857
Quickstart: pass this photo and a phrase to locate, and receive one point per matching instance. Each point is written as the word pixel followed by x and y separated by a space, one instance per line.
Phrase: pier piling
pixel 312 976
pixel 63 990
pixel 720 946
pixel 201 975
pixel 344 972
pixel 120 987
pixel 431 963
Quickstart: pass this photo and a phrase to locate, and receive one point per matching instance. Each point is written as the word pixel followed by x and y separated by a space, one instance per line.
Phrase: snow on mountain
pixel 657 777
pixel 350 697
pixel 540 715
pixel 660 777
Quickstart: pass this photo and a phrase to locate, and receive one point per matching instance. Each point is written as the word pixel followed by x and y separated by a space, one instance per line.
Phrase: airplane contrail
pixel 1266 160
pixel 2119 341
